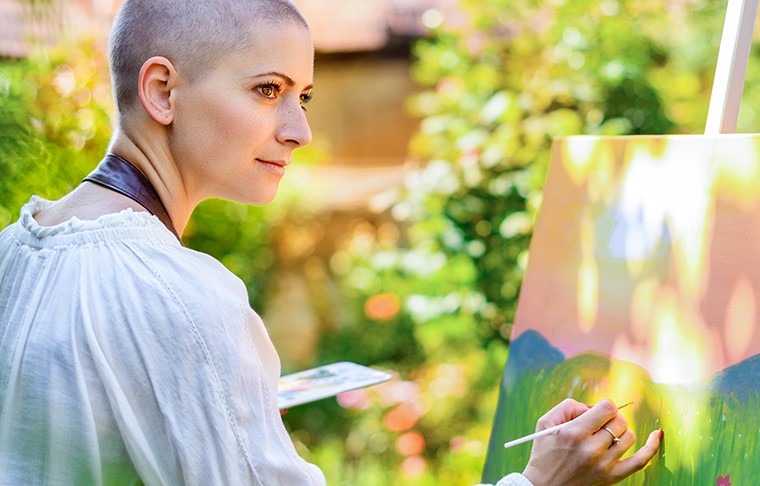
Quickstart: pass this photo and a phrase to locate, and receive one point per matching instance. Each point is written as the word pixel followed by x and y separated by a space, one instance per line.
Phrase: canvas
pixel 643 285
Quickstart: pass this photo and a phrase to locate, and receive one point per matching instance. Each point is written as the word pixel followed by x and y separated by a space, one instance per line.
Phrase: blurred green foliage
pixel 54 121
pixel 428 288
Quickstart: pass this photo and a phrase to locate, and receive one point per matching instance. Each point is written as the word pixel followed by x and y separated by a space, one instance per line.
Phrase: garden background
pixel 424 279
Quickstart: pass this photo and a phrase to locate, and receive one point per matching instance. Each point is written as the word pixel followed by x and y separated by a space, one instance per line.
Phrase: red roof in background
pixel 366 25
pixel 23 25
pixel 17 27
pixel 11 30
pixel 337 25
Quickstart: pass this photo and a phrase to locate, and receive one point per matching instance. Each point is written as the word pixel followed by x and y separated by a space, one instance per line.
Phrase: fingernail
pixel 662 434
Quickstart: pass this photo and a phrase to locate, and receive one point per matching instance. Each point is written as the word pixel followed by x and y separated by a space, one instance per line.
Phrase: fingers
pixel 615 428
pixel 565 411
pixel 640 458
pixel 598 415
pixel 627 439
pixel 614 451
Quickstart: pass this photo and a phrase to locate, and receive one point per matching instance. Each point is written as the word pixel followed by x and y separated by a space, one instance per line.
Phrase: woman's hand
pixel 584 452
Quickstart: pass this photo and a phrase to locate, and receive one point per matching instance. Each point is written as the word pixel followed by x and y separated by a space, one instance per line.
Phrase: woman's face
pixel 235 128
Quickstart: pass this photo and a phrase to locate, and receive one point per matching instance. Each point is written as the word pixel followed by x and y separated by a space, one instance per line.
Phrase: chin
pixel 257 199
pixel 254 194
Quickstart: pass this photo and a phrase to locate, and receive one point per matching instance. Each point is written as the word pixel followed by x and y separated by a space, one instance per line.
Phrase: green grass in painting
pixel 707 434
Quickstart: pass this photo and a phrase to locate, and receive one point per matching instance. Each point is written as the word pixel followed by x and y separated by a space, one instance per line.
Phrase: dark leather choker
pixel 117 174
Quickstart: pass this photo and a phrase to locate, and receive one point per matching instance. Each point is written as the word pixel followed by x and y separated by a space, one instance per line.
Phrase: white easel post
pixel 733 56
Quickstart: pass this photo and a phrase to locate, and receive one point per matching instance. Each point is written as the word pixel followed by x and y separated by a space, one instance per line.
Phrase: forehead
pixel 283 47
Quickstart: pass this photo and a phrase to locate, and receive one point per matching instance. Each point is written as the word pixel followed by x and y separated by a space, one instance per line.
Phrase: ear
pixel 155 83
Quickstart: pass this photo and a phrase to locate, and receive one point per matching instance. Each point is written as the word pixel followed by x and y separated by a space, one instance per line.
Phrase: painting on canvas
pixel 643 285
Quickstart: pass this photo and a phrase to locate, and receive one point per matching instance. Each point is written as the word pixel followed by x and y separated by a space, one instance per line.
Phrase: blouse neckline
pixel 126 224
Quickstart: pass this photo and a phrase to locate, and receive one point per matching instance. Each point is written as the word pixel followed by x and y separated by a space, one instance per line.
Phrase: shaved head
pixel 192 34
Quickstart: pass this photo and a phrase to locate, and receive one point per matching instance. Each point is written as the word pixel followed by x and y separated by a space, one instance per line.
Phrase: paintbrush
pixel 549 431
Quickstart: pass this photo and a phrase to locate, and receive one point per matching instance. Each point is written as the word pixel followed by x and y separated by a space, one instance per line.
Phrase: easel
pixel 733 56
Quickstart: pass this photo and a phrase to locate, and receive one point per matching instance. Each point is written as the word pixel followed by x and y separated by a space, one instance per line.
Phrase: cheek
pixel 240 130
pixel 226 124
pixel 216 121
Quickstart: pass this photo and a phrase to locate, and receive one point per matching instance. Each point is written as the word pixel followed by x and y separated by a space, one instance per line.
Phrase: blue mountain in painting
pixel 530 352
pixel 741 380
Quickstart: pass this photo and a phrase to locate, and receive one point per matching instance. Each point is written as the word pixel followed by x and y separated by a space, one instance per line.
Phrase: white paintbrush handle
pixel 527 438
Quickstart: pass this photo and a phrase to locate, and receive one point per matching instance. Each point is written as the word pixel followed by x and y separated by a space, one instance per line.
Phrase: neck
pixel 159 168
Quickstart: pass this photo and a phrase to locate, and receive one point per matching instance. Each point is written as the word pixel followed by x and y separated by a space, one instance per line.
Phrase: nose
pixel 294 129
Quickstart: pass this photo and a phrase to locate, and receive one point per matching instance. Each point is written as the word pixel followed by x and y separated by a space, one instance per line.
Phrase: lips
pixel 280 163
pixel 276 166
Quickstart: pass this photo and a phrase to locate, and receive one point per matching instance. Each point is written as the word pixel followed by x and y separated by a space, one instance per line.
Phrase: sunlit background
pixel 400 237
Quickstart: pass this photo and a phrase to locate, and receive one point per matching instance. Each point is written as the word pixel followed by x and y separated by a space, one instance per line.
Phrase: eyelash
pixel 305 98
pixel 276 88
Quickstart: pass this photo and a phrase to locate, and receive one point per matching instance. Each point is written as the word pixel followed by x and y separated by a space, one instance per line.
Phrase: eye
pixel 270 90
pixel 305 98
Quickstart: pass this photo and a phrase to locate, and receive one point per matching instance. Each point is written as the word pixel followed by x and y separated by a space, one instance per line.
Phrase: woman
pixel 127 357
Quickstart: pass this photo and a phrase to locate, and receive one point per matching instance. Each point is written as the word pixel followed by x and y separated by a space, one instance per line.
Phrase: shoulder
pixel 125 276
pixel 184 306
pixel 87 202
pixel 180 292
pixel 190 274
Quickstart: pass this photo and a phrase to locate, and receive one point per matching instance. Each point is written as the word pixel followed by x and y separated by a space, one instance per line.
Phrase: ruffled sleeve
pixel 514 479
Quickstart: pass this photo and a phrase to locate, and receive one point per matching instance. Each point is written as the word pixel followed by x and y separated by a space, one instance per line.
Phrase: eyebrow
pixel 288 80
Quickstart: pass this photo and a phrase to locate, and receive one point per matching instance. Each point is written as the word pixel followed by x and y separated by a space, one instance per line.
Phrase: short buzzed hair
pixel 192 34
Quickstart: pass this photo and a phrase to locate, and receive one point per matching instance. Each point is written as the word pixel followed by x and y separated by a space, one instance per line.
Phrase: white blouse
pixel 125 356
